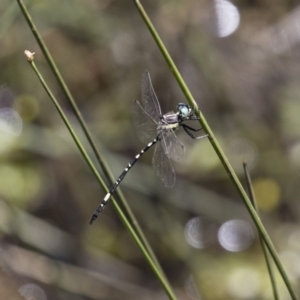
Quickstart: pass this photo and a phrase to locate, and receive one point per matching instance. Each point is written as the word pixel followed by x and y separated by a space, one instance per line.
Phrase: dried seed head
pixel 29 55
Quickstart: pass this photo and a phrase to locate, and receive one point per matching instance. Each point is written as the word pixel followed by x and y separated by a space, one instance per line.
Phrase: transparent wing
pixel 144 125
pixel 173 147
pixel 150 101
pixel 162 165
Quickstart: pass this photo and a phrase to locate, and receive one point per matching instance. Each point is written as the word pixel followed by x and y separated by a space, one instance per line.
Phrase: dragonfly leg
pixel 191 128
pixel 187 130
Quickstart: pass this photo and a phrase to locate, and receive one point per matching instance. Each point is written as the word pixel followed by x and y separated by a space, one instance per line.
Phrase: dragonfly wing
pixel 150 101
pixel 163 166
pixel 173 147
pixel 144 125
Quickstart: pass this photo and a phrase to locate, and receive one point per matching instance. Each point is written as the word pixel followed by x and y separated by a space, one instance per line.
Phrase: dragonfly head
pixel 185 112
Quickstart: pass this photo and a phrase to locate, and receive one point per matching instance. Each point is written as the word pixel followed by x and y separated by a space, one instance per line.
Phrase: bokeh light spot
pixel 240 150
pixel 28 107
pixel 223 18
pixel 32 291
pixel 267 193
pixel 291 261
pixel 200 233
pixel 294 155
pixel 20 184
pixel 191 288
pixel 228 17
pixel 243 283
pixel 235 235
pixel 10 121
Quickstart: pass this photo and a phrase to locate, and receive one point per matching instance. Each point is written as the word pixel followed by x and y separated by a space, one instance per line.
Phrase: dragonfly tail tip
pixel 94 217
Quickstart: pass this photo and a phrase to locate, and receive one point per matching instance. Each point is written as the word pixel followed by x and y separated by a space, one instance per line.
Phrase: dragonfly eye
pixel 184 110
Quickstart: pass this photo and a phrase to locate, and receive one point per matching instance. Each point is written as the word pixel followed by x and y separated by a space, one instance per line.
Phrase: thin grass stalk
pixel 263 246
pixel 152 264
pixel 100 159
pixel 216 147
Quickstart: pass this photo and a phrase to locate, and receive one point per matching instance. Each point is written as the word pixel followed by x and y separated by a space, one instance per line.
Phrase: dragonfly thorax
pixel 169 121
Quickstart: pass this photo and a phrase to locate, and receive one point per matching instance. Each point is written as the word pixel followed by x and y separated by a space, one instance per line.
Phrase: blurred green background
pixel 240 60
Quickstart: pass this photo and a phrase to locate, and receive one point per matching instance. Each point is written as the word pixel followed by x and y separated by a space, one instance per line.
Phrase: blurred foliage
pixel 246 84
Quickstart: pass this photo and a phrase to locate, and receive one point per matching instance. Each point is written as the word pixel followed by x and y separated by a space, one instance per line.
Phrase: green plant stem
pixel 101 161
pixel 127 224
pixel 263 246
pixel 216 147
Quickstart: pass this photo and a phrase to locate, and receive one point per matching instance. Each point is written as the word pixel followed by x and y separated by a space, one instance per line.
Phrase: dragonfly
pixel 155 128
